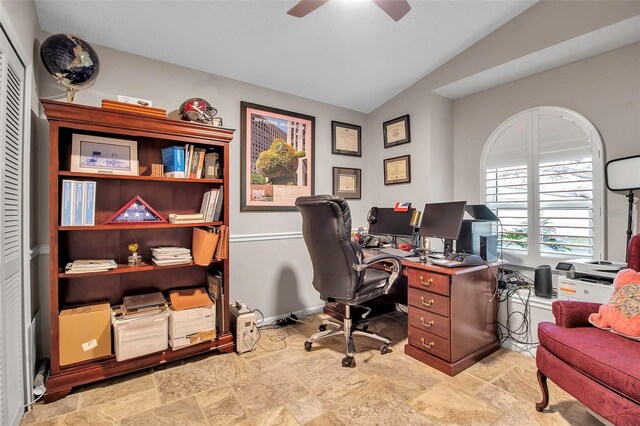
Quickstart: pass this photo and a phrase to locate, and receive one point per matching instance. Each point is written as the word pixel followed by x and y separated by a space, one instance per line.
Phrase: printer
pixel 587 280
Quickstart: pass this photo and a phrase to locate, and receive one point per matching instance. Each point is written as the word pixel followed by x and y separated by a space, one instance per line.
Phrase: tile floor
pixel 288 386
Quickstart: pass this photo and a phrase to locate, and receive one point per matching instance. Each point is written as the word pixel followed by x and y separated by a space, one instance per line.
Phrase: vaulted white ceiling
pixel 346 53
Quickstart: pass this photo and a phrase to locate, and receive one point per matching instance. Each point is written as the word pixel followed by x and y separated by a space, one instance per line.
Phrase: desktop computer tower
pixel 476 237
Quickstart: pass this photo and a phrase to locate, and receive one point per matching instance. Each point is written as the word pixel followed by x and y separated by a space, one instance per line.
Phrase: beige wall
pixel 604 88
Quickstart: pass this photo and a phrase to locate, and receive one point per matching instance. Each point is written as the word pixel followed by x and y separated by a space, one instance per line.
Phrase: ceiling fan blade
pixel 305 7
pixel 396 9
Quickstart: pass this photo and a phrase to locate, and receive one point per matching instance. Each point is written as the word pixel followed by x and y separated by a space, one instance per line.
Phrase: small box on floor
pixel 85 333
pixel 139 336
pixel 192 319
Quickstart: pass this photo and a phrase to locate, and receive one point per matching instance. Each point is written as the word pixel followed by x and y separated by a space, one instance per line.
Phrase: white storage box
pixel 191 326
pixel 140 336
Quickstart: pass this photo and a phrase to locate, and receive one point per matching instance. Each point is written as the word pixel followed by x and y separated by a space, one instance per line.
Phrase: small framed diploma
pixel 396 131
pixel 346 182
pixel 397 170
pixel 346 139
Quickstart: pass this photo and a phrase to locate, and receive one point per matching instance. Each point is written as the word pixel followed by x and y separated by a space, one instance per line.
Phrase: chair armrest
pixel 571 314
pixel 396 268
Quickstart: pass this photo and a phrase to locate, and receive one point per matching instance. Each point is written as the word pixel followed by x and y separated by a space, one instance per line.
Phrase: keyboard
pixel 396 252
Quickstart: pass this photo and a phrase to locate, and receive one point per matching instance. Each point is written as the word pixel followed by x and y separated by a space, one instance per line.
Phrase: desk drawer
pixel 430 322
pixel 430 343
pixel 429 301
pixel 423 280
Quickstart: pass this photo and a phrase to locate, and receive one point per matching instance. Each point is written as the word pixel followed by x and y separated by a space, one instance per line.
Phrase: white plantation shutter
pixel 542 173
pixel 11 233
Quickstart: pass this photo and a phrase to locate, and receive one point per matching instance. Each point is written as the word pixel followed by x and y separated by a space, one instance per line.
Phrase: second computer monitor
pixel 386 221
pixel 442 220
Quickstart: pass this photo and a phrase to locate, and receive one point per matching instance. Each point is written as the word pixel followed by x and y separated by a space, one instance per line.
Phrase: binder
pixel 89 203
pixel 66 202
pixel 78 198
pixel 173 161
pixel 218 206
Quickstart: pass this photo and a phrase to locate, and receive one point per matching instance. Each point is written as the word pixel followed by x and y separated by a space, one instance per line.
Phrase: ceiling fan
pixel 396 9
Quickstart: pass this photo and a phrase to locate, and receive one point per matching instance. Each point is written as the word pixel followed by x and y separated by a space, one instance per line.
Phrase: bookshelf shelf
pixel 137 178
pixel 126 269
pixel 115 227
pixel 165 195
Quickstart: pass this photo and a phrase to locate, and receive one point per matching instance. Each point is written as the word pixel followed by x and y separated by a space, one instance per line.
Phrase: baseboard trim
pixel 299 314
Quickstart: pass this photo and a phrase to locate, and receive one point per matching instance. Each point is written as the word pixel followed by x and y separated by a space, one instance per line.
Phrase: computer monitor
pixel 481 212
pixel 442 220
pixel 386 221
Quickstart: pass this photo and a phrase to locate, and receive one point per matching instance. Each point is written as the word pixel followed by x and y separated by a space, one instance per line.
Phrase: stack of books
pixel 211 206
pixel 78 203
pixel 186 218
pixel 165 256
pixel 188 162
pixel 143 305
pixel 84 266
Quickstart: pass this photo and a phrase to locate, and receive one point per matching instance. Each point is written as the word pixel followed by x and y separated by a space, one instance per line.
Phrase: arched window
pixel 542 174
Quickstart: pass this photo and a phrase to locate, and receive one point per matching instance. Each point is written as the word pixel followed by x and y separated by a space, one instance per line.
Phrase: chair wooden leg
pixel 542 381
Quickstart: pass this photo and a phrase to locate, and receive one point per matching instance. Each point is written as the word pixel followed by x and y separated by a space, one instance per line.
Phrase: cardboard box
pixel 140 336
pixel 192 326
pixel 85 333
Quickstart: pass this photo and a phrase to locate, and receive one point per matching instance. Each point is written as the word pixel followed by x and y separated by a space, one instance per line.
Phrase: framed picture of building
pixel 276 159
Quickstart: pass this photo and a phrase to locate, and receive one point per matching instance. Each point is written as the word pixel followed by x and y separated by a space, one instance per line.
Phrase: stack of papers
pixel 142 305
pixel 164 256
pixel 84 266
pixel 186 218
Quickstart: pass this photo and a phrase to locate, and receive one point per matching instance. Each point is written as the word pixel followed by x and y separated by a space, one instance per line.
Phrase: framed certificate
pixel 396 131
pixel 346 139
pixel 397 170
pixel 346 182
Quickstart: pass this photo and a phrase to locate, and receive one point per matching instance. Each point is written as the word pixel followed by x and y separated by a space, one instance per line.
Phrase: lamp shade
pixel 623 174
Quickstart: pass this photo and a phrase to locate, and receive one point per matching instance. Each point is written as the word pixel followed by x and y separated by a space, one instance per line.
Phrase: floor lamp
pixel 623 174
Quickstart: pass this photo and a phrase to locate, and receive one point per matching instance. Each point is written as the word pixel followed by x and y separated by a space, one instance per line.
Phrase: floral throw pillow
pixel 622 314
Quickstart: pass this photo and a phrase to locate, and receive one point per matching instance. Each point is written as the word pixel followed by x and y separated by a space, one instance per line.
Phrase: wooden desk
pixel 452 315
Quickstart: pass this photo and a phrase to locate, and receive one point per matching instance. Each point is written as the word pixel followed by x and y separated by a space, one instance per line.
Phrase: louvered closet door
pixel 11 229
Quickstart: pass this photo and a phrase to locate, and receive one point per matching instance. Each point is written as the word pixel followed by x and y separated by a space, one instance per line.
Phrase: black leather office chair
pixel 340 273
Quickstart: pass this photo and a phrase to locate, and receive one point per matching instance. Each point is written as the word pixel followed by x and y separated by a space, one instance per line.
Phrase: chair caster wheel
pixel 348 361
pixel 307 346
pixel 323 327
pixel 384 349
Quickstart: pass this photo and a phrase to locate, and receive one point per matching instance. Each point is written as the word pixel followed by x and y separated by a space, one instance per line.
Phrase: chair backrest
pixel 633 253
pixel 326 228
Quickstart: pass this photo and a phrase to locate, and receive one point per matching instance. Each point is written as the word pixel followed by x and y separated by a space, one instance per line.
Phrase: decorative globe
pixel 71 60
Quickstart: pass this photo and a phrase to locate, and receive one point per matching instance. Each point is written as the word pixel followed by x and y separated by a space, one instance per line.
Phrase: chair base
pixel 347 330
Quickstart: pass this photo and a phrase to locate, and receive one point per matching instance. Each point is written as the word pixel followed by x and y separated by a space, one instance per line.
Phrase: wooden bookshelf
pixel 165 195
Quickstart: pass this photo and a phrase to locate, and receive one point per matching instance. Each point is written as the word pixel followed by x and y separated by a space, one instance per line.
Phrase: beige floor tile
pixel 489 368
pixel 42 411
pixel 278 416
pixel 221 407
pixel 181 382
pixel 305 409
pixel 131 404
pixel 521 359
pixel 577 414
pixel 49 422
pixel 262 392
pixel 444 404
pixel 526 415
pixel 223 367
pixel 466 382
pixel 522 383
pixel 327 419
pixel 498 398
pixel 372 405
pixel 182 412
pixel 89 416
pixel 120 387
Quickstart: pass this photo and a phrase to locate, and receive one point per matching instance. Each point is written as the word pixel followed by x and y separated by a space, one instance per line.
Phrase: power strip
pixel 289 320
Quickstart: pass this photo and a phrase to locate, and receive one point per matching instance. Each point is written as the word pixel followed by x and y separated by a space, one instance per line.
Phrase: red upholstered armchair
pixel 598 368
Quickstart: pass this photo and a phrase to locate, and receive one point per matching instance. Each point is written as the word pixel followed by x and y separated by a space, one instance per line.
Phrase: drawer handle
pixel 427 345
pixel 429 303
pixel 388 268
pixel 427 324
pixel 426 283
